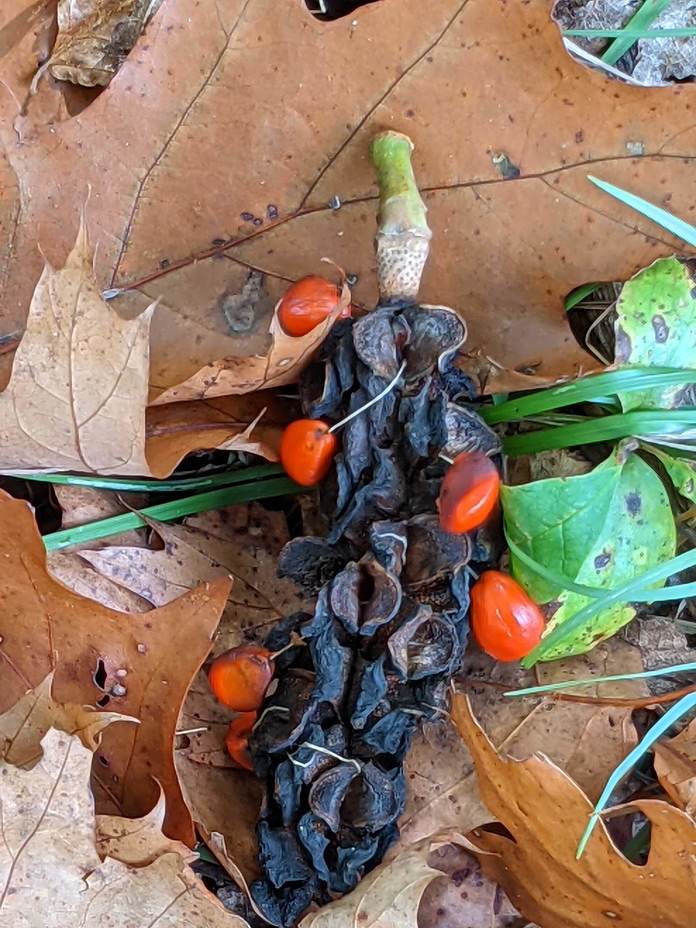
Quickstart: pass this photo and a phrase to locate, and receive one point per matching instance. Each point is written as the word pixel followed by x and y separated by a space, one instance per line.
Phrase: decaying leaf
pixel 23 727
pixel 168 158
pixel 655 326
pixel 51 873
pixel 387 898
pixel 600 529
pixel 137 664
pixel 78 391
pixel 545 813
pixel 675 766
pixel 94 37
pixel 584 740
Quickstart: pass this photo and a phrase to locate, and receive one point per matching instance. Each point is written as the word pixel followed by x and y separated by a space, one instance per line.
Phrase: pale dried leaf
pixel 138 841
pixel 23 727
pixel 387 898
pixel 545 813
pixel 50 870
pixel 145 661
pixel 88 504
pixel 94 37
pixel 675 766
pixel 84 580
pixel 76 398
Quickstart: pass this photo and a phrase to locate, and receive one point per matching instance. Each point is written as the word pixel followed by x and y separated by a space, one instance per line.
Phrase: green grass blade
pixel 134 484
pixel 552 576
pixel 685 32
pixel 677 711
pixel 167 512
pixel 656 214
pixel 579 294
pixel 592 388
pixel 626 593
pixel 639 424
pixel 570 684
pixel 644 16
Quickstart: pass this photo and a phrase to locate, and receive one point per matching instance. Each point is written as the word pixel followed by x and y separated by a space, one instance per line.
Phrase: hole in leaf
pixel 591 316
pixel 100 675
pixel 104 701
pixel 326 10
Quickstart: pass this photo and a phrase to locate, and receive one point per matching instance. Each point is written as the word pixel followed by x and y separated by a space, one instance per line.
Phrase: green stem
pixel 136 485
pixel 403 236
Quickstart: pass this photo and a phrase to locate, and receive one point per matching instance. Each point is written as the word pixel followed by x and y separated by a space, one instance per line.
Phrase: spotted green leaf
pixel 656 327
pixel 599 529
pixel 680 471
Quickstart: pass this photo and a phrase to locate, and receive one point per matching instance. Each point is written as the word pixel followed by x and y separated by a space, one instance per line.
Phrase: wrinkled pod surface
pixel 392 588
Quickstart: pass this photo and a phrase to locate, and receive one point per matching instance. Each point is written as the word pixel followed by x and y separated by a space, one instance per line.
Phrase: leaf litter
pixel 221 373
pixel 324 156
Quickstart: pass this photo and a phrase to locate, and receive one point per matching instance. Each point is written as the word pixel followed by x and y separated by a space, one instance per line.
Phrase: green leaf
pixel 600 530
pixel 656 214
pixel 579 294
pixel 167 512
pixel 681 472
pixel 656 327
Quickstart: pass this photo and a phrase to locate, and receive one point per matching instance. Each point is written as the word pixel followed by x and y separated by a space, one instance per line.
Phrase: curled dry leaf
pixel 285 360
pixel 78 391
pixel 675 766
pixel 586 741
pixel 51 872
pixel 171 174
pixel 545 813
pixel 94 37
pixel 138 664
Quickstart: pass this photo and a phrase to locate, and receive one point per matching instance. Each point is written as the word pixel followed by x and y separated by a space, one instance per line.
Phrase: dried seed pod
pixel 328 792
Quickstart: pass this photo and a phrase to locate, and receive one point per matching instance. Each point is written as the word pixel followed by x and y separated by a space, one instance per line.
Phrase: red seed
pixel 506 623
pixel 468 493
pixel 307 303
pixel 237 739
pixel 239 678
pixel 307 450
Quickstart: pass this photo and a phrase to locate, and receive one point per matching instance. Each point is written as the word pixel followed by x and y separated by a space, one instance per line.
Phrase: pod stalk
pixel 403 236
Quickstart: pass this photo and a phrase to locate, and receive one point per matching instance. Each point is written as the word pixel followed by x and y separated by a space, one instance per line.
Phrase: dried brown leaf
pixel 50 870
pixel 545 813
pixel 179 158
pixel 94 37
pixel 154 214
pixel 139 664
pixel 584 740
pixel 675 766
pixel 138 841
